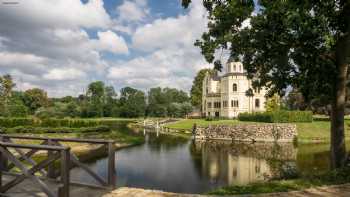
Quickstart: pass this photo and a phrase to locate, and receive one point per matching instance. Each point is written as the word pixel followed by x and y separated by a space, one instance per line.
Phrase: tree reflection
pixel 236 163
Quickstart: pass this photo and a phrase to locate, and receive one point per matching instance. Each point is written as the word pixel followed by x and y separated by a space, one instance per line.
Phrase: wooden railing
pixel 12 155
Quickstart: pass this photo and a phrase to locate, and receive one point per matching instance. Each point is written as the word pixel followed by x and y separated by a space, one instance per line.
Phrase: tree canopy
pixel 196 89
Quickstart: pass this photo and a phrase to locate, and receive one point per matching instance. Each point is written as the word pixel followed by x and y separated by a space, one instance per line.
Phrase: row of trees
pixel 98 101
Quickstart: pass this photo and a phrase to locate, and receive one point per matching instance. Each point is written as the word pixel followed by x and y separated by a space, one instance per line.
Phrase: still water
pixel 178 164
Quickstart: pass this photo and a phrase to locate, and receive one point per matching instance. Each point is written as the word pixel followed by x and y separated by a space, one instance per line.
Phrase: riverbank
pixel 325 191
pixel 313 132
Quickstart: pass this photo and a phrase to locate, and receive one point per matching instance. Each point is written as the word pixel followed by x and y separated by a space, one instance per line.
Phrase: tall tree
pixel 132 102
pixel 96 98
pixel 303 43
pixel 196 89
pixel 35 98
pixel 6 86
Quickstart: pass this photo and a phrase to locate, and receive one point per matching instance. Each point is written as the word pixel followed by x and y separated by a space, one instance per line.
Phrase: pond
pixel 178 164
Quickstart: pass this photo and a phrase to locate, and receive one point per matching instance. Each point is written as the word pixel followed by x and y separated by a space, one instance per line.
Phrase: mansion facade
pixel 226 95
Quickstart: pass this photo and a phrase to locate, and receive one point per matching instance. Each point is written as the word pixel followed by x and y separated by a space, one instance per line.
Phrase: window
pixel 235 103
pixel 217 104
pixel 257 90
pixel 224 103
pixel 234 87
pixel 209 105
pixel 231 103
pixel 257 103
pixel 208 113
pixel 234 68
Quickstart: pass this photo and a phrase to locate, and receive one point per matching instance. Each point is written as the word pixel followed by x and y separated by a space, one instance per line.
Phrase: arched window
pixel 234 87
pixel 234 68
pixel 257 103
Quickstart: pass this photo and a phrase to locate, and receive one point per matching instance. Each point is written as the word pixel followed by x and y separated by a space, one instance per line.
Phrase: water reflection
pixel 178 164
pixel 241 163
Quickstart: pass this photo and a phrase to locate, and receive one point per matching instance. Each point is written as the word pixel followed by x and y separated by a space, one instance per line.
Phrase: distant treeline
pixel 98 101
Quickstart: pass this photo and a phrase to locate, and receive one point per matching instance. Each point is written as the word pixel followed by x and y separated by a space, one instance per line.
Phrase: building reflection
pixel 240 164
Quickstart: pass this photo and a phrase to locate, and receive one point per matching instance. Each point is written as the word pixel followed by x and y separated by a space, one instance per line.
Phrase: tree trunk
pixel 338 149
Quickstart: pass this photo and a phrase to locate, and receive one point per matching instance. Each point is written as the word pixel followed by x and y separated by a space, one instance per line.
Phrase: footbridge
pixel 20 172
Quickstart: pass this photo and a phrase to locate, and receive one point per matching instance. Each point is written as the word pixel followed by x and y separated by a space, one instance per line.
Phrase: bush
pixel 52 122
pixel 39 130
pixel 14 122
pixel 18 110
pixel 277 116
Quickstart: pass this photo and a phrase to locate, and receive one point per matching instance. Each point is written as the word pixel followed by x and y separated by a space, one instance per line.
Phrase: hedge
pixel 14 122
pixel 52 122
pixel 39 130
pixel 277 116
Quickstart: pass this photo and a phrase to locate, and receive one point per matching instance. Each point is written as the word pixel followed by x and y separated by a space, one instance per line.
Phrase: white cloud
pixel 64 74
pixel 132 11
pixel 56 14
pixel 172 59
pixel 45 44
pixel 180 31
pixel 109 41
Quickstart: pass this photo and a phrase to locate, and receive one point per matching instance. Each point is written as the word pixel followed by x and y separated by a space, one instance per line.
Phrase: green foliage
pixel 53 122
pixel 37 130
pixel 196 89
pixel 132 103
pixel 13 122
pixel 277 116
pixel 17 110
pixel 273 103
pixel 167 102
pixel 35 98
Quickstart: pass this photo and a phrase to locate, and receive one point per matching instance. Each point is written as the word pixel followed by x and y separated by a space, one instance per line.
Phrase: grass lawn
pixel 307 132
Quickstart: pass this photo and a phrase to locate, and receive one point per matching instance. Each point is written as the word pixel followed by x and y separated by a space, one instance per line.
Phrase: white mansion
pixel 226 95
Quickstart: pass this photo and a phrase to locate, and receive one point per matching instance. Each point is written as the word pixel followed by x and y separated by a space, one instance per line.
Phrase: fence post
pixel 65 164
pixel 50 167
pixel 4 160
pixel 111 165
pixel 1 169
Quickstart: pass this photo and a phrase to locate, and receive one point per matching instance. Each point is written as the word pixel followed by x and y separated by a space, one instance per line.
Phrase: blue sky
pixel 63 45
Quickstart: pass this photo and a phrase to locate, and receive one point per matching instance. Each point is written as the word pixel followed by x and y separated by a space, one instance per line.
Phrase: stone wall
pixel 248 132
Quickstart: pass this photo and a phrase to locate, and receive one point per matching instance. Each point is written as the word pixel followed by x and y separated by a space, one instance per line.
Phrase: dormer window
pixel 234 87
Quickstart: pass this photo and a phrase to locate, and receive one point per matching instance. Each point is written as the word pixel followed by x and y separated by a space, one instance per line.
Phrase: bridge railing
pixel 47 168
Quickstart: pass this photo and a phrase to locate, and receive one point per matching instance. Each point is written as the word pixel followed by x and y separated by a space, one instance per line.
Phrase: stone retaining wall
pixel 248 132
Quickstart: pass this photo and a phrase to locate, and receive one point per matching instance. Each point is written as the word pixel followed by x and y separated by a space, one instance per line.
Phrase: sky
pixel 63 45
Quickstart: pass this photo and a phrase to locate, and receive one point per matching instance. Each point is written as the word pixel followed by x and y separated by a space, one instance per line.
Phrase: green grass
pixel 307 132
pixel 318 131
pixel 267 187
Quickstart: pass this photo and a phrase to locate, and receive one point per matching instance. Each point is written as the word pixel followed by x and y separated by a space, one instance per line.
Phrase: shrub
pixel 18 110
pixel 38 130
pixel 14 122
pixel 277 116
pixel 52 122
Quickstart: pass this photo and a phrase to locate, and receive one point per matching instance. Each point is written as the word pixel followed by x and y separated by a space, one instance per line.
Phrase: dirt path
pixel 326 191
